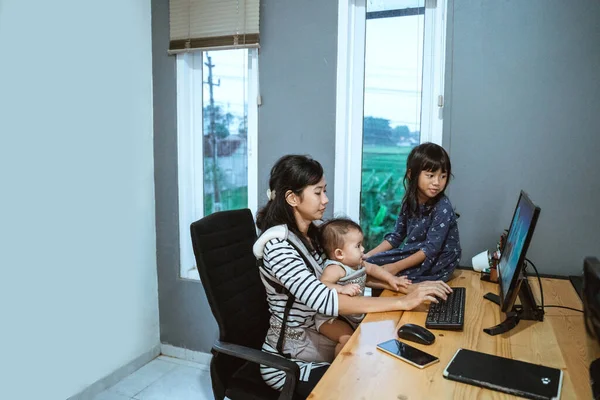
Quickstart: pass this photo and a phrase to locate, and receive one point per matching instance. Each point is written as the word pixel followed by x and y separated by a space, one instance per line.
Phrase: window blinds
pixel 210 24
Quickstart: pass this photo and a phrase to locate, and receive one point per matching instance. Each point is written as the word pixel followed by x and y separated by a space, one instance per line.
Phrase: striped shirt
pixel 283 264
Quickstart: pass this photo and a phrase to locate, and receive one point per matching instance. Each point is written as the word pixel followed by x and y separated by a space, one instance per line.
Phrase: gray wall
pixel 297 80
pixel 523 90
pixel 297 61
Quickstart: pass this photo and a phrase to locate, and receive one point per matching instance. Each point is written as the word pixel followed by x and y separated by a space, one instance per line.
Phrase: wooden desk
pixel 363 372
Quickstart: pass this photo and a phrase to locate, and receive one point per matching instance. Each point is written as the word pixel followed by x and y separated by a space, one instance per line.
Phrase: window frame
pixel 350 94
pixel 190 151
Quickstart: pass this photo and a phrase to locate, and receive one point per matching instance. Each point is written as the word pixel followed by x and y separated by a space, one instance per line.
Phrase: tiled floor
pixel 163 378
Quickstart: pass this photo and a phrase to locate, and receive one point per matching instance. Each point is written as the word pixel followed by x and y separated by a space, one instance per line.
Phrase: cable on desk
pixel 542 291
pixel 539 281
pixel 568 308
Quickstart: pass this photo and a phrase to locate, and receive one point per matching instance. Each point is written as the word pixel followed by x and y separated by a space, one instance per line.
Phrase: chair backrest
pixel 222 245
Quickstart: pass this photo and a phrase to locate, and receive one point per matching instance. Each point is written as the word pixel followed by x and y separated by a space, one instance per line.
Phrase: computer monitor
pixel 511 270
pixel 510 266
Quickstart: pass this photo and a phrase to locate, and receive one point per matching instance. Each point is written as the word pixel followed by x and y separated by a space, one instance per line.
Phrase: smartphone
pixel 520 378
pixel 407 353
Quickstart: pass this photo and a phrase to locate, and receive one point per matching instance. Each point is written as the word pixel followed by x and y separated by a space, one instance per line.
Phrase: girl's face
pixel 431 184
pixel 313 202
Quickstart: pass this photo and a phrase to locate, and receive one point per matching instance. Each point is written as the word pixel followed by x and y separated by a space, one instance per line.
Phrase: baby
pixel 345 272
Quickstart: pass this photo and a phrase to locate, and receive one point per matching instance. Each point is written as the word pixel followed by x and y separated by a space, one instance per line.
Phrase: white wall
pixel 78 285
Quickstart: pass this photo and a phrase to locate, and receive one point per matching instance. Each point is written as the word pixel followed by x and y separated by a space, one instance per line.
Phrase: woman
pixel 291 260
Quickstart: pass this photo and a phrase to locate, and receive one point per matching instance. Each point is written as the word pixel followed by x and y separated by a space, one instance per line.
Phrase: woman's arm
pixel 285 264
pixel 422 292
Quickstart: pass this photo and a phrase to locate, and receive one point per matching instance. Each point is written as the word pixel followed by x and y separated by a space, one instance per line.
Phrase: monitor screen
pixel 513 254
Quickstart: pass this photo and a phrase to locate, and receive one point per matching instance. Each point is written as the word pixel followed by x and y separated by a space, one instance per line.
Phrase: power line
pixel 211 84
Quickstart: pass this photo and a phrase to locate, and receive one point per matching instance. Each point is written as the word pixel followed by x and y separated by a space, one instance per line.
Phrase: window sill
pixel 191 274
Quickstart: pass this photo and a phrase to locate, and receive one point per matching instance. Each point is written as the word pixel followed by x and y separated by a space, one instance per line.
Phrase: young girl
pixel 424 245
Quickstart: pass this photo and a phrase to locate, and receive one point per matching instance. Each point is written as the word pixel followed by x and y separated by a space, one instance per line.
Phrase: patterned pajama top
pixel 434 231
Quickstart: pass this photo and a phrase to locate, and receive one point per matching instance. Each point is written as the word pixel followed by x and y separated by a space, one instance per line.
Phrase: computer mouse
pixel 416 333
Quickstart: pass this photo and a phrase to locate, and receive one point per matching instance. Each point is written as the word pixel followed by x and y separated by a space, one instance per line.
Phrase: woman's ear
pixel 408 173
pixel 291 198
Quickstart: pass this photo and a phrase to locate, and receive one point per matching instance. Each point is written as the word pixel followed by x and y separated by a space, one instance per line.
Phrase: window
pixel 217 138
pixel 390 87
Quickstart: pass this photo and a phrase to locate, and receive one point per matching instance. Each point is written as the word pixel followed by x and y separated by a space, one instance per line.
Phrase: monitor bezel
pixel 508 302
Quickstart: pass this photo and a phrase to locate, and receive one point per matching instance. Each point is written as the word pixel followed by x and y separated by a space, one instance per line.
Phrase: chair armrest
pixel 291 369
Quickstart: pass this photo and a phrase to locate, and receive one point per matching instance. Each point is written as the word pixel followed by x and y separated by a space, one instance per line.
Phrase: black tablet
pixel 520 378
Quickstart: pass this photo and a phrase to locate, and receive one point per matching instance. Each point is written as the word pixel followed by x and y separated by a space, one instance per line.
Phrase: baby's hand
pixel 351 290
pixel 398 282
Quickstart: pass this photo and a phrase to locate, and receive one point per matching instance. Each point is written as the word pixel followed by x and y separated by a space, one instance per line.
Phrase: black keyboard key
pixel 448 314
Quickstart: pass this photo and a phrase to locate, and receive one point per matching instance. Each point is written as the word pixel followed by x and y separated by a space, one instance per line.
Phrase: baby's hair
pixel 332 232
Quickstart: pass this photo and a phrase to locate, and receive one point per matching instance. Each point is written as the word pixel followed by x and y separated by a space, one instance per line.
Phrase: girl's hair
pixel 291 172
pixel 425 157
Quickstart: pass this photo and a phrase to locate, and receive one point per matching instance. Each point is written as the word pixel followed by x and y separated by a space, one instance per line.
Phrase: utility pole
pixel 213 135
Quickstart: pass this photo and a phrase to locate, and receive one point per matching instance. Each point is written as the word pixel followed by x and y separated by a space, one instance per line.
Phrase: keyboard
pixel 449 314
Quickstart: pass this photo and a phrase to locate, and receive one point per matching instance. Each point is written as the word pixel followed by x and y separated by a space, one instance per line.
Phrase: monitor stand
pixel 527 310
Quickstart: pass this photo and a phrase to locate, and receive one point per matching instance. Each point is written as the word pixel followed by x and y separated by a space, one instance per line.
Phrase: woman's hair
pixel 332 234
pixel 291 172
pixel 425 157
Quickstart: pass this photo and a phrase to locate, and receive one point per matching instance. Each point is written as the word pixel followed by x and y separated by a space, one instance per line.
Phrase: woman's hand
pixel 441 284
pixel 423 292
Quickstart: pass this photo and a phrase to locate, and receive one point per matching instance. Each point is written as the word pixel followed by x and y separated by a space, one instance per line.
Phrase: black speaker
pixel 591 312
pixel 595 378
pixel 591 296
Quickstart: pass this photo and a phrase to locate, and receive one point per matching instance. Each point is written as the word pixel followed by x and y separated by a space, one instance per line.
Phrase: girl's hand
pixel 398 282
pixel 369 265
pixel 425 292
pixel 350 290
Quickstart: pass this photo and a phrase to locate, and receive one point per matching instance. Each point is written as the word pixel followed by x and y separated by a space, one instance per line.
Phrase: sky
pixel 230 71
pixel 393 69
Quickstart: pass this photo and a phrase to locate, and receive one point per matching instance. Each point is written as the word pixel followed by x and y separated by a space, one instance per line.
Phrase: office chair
pixel 222 245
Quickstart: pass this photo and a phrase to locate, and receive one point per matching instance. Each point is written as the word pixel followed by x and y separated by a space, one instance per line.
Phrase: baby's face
pixel 353 249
